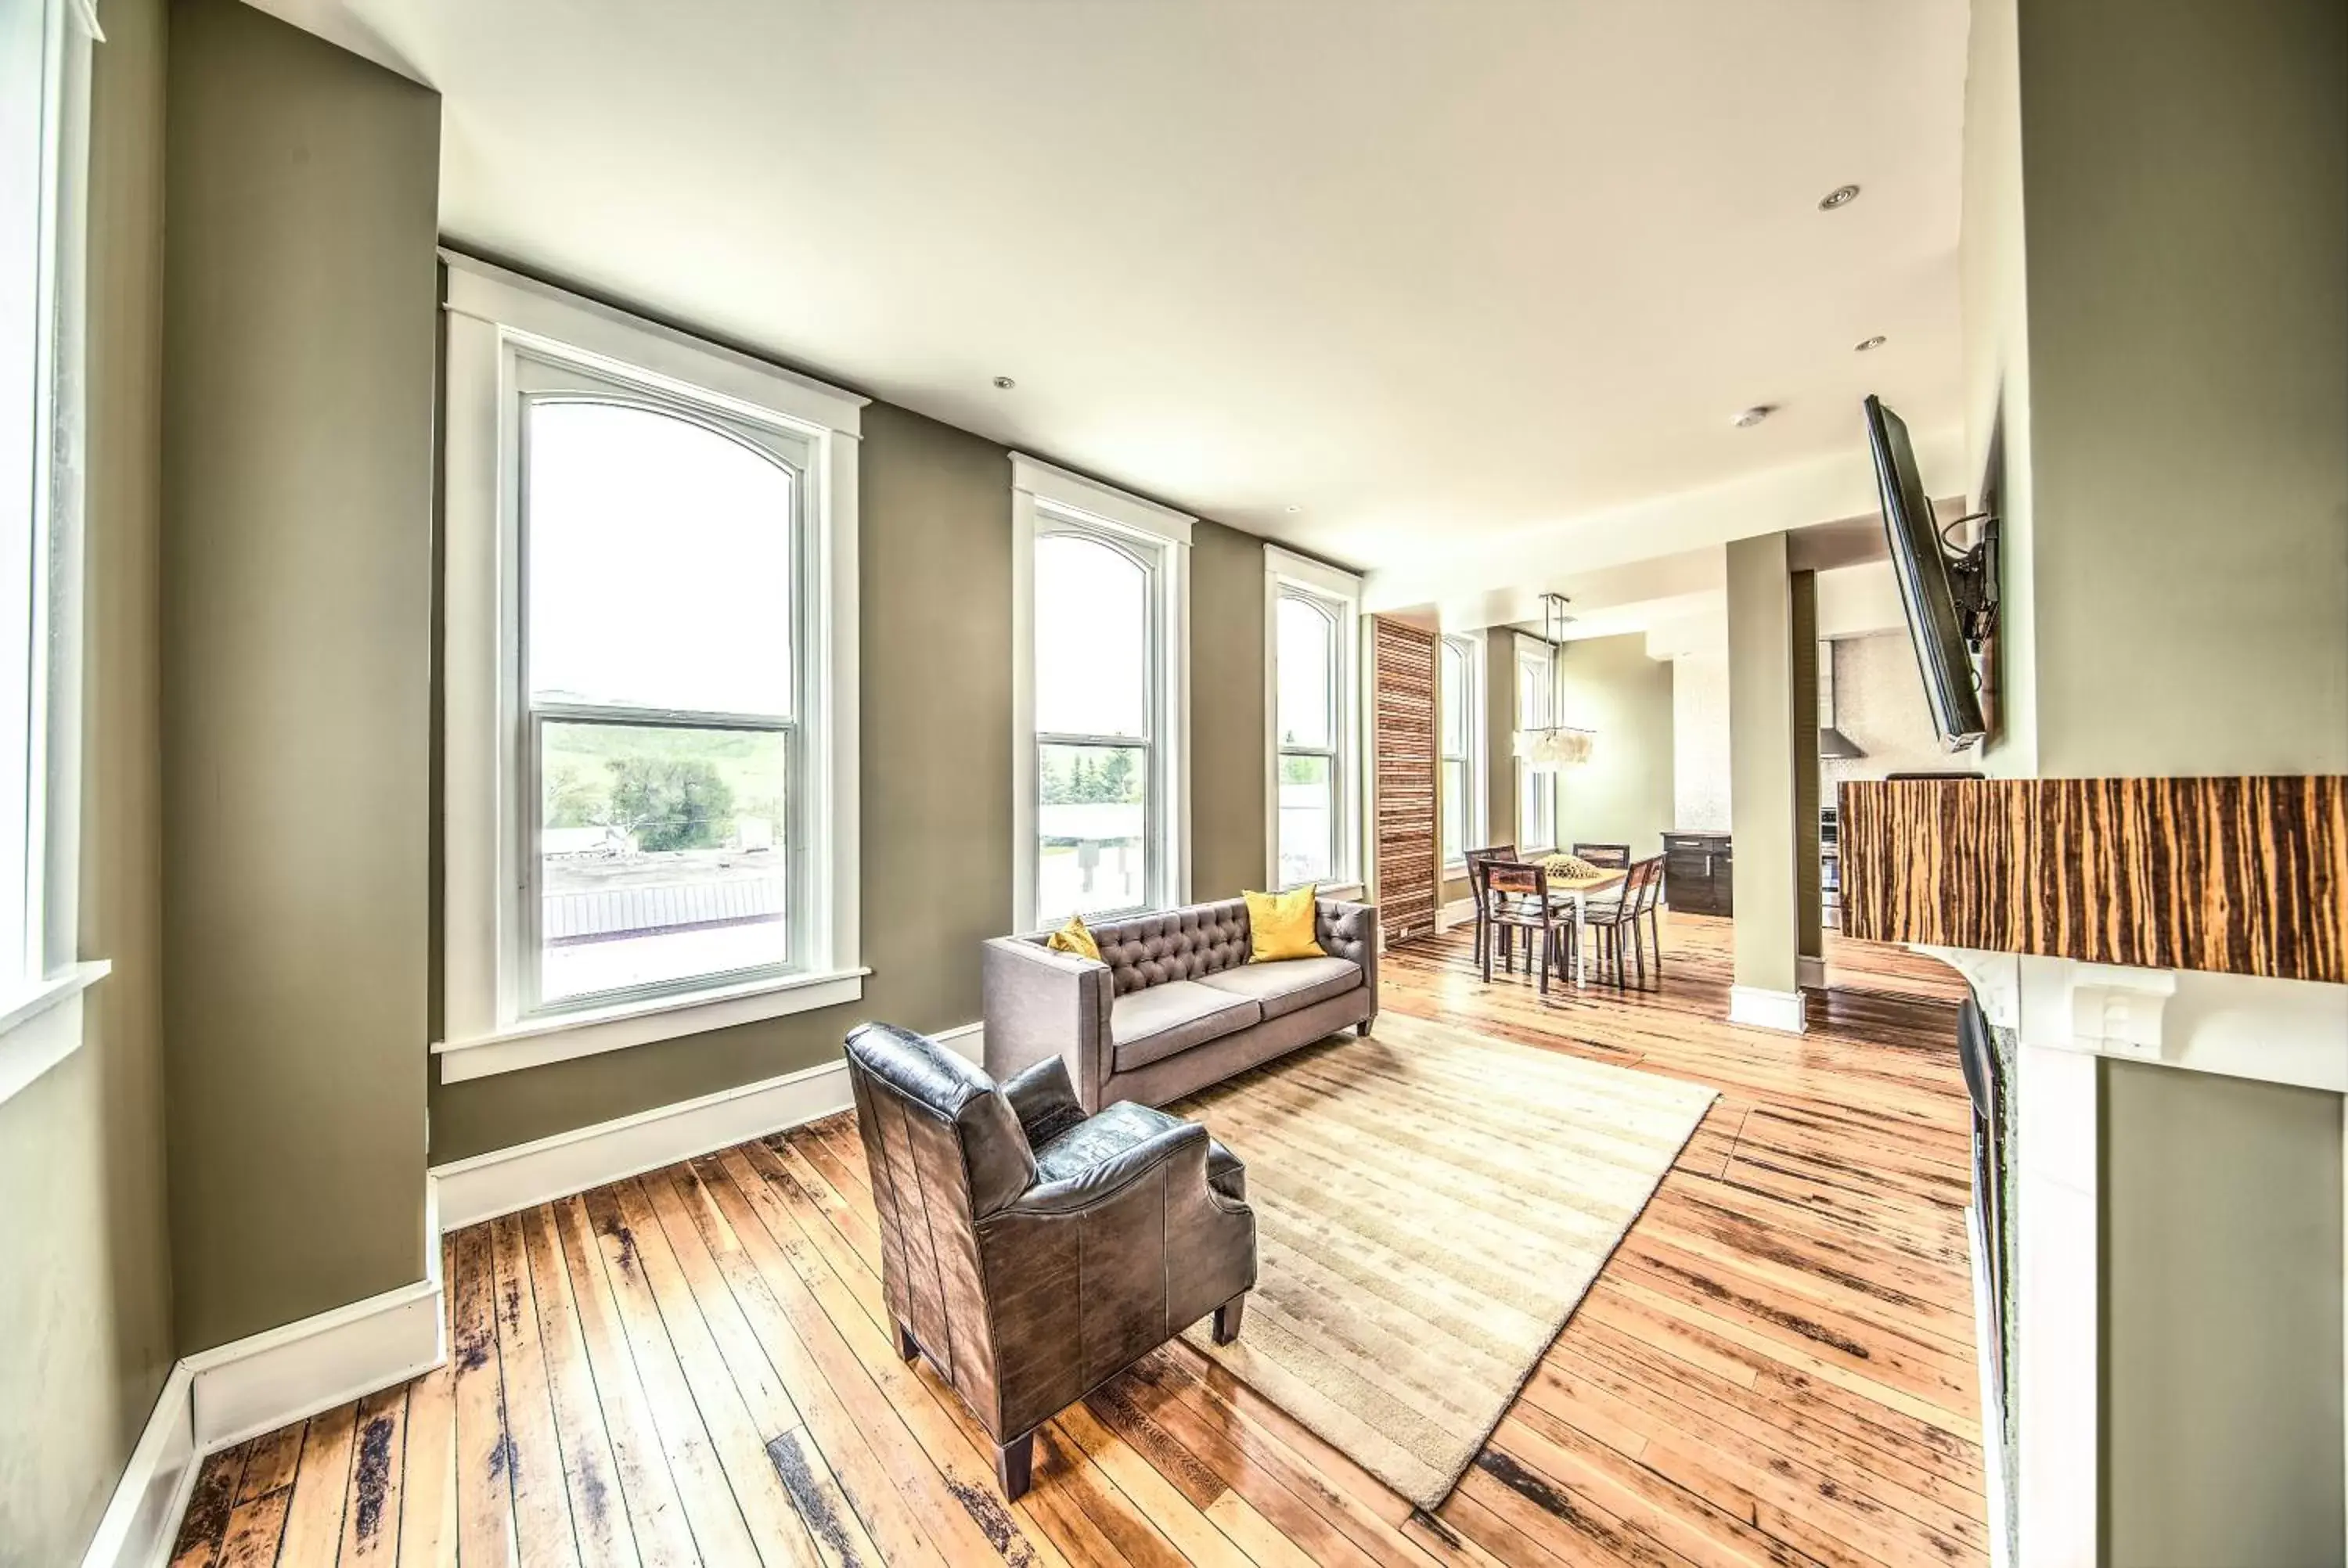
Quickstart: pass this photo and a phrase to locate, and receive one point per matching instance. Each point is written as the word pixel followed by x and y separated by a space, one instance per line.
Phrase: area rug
pixel 1431 1205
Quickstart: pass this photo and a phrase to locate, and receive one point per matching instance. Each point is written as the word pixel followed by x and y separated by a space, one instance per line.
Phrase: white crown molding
pixel 1758 1006
pixel 1318 576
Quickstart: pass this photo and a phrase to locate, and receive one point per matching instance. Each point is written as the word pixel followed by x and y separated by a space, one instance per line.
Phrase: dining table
pixel 1574 892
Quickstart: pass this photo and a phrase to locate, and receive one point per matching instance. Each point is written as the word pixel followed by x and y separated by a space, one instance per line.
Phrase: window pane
pixel 661 854
pixel 1092 639
pixel 1091 830
pixel 659 560
pixel 1454 700
pixel 1308 636
pixel 1533 692
pixel 1308 820
pixel 1454 807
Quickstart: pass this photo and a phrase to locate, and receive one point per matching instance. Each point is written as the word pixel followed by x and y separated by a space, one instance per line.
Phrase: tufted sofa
pixel 1174 1005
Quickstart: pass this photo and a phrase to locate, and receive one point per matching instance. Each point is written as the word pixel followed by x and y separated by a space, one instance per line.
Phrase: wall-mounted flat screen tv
pixel 1926 587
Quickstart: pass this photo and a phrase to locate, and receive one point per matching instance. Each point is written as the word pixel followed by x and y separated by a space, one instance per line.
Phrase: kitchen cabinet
pixel 1699 873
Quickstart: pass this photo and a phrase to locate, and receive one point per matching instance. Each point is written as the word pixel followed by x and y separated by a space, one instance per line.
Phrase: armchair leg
pixel 1227 1319
pixel 1015 1466
pixel 906 1348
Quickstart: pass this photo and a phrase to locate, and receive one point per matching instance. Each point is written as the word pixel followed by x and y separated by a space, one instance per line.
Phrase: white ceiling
pixel 1429 274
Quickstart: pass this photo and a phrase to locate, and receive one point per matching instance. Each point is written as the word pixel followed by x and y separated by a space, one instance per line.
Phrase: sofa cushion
pixel 1284 987
pixel 1151 1025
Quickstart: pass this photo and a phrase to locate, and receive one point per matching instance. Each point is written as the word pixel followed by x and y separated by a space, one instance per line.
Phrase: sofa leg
pixel 1362 1028
pixel 1015 1466
pixel 1227 1319
pixel 906 1348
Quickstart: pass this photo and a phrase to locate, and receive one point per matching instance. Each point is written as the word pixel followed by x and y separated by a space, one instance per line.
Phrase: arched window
pixel 1097 639
pixel 1308 726
pixel 659 627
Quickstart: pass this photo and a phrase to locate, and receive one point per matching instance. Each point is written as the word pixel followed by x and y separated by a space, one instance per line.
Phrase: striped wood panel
pixel 1403 743
pixel 2246 875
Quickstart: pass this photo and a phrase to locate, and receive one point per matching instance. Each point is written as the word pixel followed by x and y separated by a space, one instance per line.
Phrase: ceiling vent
pixel 1833 744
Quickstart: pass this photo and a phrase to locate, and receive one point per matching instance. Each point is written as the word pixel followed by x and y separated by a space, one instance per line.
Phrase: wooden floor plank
pixel 1775 1370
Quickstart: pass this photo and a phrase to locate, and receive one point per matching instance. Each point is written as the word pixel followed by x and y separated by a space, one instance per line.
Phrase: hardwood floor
pixel 692 1366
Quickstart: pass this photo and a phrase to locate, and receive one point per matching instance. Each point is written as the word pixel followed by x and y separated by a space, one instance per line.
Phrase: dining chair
pixel 1609 919
pixel 1476 887
pixel 1515 899
pixel 1605 856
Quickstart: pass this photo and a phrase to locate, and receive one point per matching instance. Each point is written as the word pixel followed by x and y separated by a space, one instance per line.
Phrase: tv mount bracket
pixel 1973 580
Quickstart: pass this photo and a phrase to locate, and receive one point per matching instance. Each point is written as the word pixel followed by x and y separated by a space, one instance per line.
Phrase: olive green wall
pixel 934 529
pixel 1227 830
pixel 1623 793
pixel 85 1297
pixel 1761 763
pixel 2187 220
pixel 301 308
pixel 2221 1407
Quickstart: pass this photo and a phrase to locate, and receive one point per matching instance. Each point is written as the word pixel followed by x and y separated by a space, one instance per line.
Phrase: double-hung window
pixel 1314 701
pixel 1536 710
pixel 45 47
pixel 1462 750
pixel 651 681
pixel 1100 698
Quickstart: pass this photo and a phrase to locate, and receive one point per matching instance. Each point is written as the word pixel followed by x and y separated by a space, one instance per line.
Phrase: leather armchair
pixel 1029 1251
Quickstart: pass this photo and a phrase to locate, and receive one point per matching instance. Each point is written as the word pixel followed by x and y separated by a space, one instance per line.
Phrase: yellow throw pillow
pixel 1073 938
pixel 1573 867
pixel 1280 925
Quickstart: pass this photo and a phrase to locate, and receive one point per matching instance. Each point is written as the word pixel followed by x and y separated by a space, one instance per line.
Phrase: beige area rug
pixel 1431 1205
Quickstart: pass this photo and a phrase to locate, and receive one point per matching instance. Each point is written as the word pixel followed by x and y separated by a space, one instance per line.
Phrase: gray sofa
pixel 1174 1005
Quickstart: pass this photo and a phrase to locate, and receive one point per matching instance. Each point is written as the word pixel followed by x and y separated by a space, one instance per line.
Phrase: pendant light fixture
pixel 1555 747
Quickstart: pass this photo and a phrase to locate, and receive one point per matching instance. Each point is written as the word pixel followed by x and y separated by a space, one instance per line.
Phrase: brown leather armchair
pixel 1031 1252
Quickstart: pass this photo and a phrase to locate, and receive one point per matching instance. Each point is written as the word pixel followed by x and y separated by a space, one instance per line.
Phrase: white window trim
pixel 490 314
pixel 1042 494
pixel 44 980
pixel 1473 831
pixel 1534 649
pixel 1340 592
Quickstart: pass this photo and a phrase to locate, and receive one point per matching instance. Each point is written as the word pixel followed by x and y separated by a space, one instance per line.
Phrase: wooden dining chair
pixel 1610 919
pixel 1476 887
pixel 1605 856
pixel 1515 899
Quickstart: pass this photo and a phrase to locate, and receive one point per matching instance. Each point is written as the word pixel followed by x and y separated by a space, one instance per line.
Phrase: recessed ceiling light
pixel 1754 416
pixel 1003 384
pixel 1291 506
pixel 1867 345
pixel 1840 196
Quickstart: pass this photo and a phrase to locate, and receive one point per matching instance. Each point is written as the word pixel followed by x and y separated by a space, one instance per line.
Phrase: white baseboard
pixel 1809 973
pixel 143 1516
pixel 1458 912
pixel 1764 1009
pixel 267 1381
pixel 506 1180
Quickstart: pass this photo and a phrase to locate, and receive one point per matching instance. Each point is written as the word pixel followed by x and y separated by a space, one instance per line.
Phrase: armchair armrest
pixel 1039 1004
pixel 1184 1144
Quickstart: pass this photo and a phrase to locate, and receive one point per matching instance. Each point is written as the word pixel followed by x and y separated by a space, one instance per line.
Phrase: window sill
pixel 27 1053
pixel 559 1039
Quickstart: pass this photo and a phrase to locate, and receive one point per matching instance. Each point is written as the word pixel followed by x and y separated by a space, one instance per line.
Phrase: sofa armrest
pixel 1039 1004
pixel 1349 930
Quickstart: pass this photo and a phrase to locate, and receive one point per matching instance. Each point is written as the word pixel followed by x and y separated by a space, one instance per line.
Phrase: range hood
pixel 1833 744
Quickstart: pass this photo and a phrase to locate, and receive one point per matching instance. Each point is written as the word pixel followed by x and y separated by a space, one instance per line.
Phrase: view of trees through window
pixel 661 845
